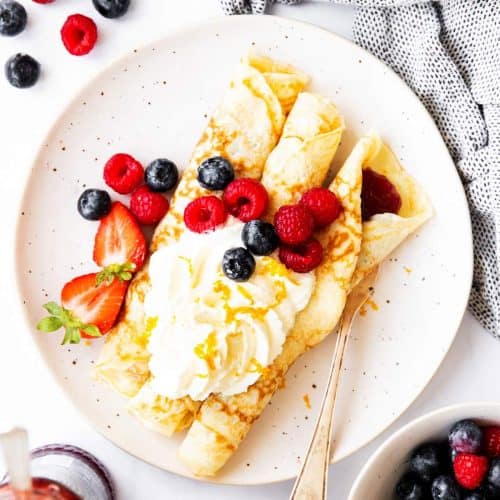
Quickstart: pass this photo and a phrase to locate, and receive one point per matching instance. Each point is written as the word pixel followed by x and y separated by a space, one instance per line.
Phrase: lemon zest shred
pixel 307 401
pixel 245 293
pixel 280 292
pixel 254 366
pixel 276 268
pixel 189 263
pixel 143 337
pixel 223 289
pixel 207 350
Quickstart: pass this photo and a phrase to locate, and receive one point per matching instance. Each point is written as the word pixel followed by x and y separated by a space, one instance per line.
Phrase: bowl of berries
pixel 448 454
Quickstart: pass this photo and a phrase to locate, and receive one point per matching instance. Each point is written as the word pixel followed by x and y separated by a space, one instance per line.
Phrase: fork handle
pixel 312 479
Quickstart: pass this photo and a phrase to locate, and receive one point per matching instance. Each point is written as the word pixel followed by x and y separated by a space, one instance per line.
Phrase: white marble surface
pixel 29 396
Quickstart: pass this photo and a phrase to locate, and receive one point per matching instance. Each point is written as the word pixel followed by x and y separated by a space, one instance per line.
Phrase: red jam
pixel 52 490
pixel 43 489
pixel 378 195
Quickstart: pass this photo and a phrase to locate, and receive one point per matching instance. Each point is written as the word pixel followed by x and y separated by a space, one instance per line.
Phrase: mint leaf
pixel 49 324
pixel 91 330
pixel 121 271
pixel 53 308
pixel 125 276
pixel 72 336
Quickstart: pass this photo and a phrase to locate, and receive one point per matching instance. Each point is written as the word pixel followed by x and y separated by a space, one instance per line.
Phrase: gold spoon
pixel 311 483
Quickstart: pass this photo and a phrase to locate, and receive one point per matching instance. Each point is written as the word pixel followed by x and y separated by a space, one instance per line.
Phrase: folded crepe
pixel 244 128
pixel 351 249
pixel 304 153
pixel 310 139
pixel 383 232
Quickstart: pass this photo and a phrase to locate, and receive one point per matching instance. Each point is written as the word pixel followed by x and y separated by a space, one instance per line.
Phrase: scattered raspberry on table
pixel 79 34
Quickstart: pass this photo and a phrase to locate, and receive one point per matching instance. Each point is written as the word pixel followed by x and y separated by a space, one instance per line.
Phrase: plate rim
pixel 186 29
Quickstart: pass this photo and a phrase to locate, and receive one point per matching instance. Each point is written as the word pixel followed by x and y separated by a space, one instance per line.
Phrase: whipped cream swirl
pixel 211 334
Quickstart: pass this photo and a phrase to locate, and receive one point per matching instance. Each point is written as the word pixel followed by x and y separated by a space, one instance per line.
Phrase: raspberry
pixel 148 207
pixel 246 199
pixel 294 224
pixel 204 214
pixel 491 441
pixel 323 205
pixel 470 470
pixel 123 173
pixel 79 34
pixel 302 258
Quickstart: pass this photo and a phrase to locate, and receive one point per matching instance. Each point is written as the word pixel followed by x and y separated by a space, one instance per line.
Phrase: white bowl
pixel 379 476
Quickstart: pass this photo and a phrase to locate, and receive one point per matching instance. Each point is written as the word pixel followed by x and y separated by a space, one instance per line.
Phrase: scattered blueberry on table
pixel 79 35
pixel 22 71
pixel 13 18
pixel 111 8
pixel 467 467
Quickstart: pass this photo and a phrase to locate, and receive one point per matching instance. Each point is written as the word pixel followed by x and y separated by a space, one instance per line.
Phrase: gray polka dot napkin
pixel 449 54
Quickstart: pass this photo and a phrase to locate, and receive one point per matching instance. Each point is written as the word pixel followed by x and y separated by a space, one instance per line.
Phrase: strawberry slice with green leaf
pixel 120 246
pixel 88 309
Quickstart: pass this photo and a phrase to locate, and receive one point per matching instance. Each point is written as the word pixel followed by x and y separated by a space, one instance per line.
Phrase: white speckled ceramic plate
pixel 154 103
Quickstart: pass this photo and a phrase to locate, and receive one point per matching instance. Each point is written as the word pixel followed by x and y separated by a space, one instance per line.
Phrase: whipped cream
pixel 210 334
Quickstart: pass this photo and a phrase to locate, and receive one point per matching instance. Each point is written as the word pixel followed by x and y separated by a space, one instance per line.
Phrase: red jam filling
pixel 44 489
pixel 378 195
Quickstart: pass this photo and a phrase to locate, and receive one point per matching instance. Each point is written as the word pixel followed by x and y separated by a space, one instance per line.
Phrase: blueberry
pixel 484 492
pixel 475 495
pixel 494 473
pixel 445 488
pixel 111 8
pixel 490 492
pixel 447 457
pixel 260 237
pixel 22 71
pixel 13 18
pixel 215 173
pixel 161 175
pixel 410 487
pixel 465 437
pixel 426 461
pixel 238 264
pixel 94 204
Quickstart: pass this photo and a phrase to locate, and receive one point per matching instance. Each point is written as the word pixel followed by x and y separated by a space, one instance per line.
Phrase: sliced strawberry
pixel 119 239
pixel 94 304
pixel 88 309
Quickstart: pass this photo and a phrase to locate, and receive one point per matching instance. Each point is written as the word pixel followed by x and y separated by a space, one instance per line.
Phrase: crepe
pixel 303 155
pixel 223 422
pixel 382 233
pixel 311 136
pixel 244 128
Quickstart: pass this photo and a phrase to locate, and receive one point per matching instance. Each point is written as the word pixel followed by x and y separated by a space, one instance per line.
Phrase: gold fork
pixel 311 483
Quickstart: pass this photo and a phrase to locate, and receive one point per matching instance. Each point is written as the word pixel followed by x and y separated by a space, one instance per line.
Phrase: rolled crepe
pixel 223 422
pixel 244 128
pixel 313 121
pixel 303 155
pixel 382 233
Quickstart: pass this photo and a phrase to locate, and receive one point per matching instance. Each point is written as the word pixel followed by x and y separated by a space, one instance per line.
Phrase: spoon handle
pixel 311 482
pixel 17 458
